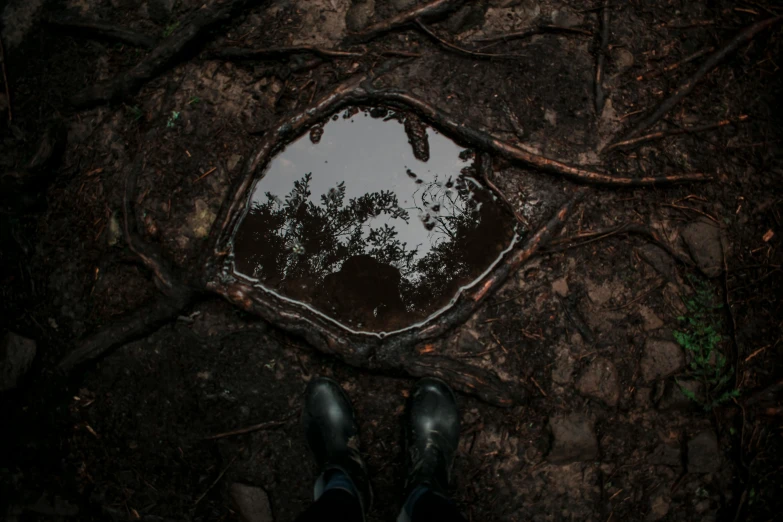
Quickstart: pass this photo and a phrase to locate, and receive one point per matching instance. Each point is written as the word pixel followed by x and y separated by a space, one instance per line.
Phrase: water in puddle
pixel 360 229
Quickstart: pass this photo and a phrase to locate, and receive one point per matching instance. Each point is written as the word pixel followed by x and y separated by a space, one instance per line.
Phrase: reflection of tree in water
pixel 311 251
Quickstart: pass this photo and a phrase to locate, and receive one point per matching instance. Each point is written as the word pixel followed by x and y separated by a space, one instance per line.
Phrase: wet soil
pixel 589 331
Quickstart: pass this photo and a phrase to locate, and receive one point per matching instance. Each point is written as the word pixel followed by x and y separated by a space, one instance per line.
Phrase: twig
pixel 430 11
pixel 627 144
pixel 603 49
pixel 239 53
pixel 696 210
pixel 207 173
pixel 82 27
pixel 628 228
pixel 459 50
pixel 5 81
pixel 527 33
pixel 695 56
pixel 220 476
pixel 255 427
pixel 165 55
pixel 709 64
pixel 540 389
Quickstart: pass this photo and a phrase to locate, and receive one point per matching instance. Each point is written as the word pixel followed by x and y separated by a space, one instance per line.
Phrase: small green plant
pixel 194 100
pixel 134 112
pixel 172 121
pixel 169 30
pixel 700 338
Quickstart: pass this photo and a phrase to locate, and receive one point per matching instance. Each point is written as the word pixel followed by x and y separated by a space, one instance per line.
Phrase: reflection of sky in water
pixel 371 155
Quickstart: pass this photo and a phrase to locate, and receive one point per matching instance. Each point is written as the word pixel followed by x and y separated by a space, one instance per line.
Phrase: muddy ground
pixel 588 327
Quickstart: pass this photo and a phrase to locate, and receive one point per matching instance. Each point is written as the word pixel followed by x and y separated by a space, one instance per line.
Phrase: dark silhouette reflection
pixel 381 260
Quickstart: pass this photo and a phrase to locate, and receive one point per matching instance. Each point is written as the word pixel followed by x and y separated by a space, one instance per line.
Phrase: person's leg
pixel 342 490
pixel 432 436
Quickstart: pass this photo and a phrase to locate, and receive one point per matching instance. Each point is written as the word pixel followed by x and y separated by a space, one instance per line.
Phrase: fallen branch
pixel 238 53
pixel 586 238
pixel 709 64
pixel 433 10
pixel 600 61
pixel 250 429
pixel 695 56
pixel 81 27
pixel 455 48
pixel 627 144
pixel 533 31
pixel 164 56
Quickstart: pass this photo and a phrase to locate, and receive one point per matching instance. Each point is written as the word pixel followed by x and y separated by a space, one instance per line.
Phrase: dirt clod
pixel 661 359
pixel 16 357
pixel 703 238
pixel 704 453
pixel 359 15
pixel 600 381
pixel 251 502
pixel 573 439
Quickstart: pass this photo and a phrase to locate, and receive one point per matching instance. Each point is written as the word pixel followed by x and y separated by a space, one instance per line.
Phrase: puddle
pixel 347 220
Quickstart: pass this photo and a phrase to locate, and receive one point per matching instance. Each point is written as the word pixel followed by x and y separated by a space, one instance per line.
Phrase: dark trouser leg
pixel 337 505
pixel 425 506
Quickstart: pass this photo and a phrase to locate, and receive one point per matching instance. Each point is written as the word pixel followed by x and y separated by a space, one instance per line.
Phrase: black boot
pixel 432 435
pixel 333 436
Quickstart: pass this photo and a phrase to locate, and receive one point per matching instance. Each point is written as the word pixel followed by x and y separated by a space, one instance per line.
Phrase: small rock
pixel 573 439
pixel 359 15
pixel 659 505
pixel 551 117
pixel 563 371
pixel 560 287
pixel 662 262
pixel 623 59
pixel 114 233
pixel 16 357
pixel 251 502
pixel 666 455
pixel 201 220
pixel 703 238
pixel 160 10
pixel 651 321
pixel 600 381
pixel 468 342
pixel 661 359
pixel 675 399
pixel 566 18
pixel 704 453
pixel 233 161
pixel 403 5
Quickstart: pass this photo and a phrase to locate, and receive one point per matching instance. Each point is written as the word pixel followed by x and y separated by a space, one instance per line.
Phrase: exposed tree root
pixel 238 53
pixel 633 142
pixel 600 60
pixel 408 351
pixel 457 49
pixel 709 64
pixel 695 56
pixel 5 82
pixel 428 12
pixel 585 238
pixel 165 55
pixel 89 28
pixel 486 172
pixel 533 31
